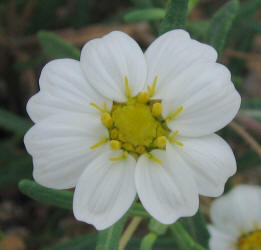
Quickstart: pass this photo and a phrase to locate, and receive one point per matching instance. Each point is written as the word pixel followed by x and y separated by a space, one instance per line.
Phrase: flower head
pixel 236 220
pixel 120 122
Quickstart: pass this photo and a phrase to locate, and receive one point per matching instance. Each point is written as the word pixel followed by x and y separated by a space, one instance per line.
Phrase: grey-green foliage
pixel 220 25
pixel 183 239
pixel 80 243
pixel 142 15
pixel 197 228
pixel 55 47
pixel 109 239
pixel 17 168
pixel 251 108
pixel 46 195
pixel 14 123
pixel 175 16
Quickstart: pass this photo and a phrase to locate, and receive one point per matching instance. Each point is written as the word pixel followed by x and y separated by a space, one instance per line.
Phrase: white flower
pixel 236 220
pixel 120 122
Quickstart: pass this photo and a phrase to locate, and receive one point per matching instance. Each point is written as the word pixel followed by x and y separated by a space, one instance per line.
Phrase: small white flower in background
pixel 120 122
pixel 236 220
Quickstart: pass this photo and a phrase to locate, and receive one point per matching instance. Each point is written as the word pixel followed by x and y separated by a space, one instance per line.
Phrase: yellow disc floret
pixel 136 126
pixel 136 123
pixel 251 241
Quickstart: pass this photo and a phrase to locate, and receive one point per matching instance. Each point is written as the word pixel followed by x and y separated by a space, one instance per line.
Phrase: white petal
pixel 207 95
pixel 172 53
pixel 105 190
pixel 238 211
pixel 60 147
pixel 211 161
pixel 220 240
pixel 107 60
pixel 166 191
pixel 63 88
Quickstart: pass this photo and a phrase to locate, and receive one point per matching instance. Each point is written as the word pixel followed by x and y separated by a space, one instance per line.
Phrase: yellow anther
pixel 143 97
pixel 128 146
pixel 152 157
pixel 152 89
pixel 98 144
pixel 140 149
pixel 122 157
pixel 172 139
pixel 160 142
pixel 115 144
pixel 127 88
pixel 174 114
pixel 156 109
pixel 106 120
pixel 114 133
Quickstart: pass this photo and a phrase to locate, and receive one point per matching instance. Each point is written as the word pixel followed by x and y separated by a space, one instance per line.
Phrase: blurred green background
pixel 32 32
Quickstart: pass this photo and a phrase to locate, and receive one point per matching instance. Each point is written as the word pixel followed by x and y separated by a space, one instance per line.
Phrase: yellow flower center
pixel 137 126
pixel 251 241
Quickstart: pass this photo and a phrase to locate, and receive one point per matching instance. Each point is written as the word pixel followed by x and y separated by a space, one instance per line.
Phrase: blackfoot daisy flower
pixel 120 122
pixel 236 220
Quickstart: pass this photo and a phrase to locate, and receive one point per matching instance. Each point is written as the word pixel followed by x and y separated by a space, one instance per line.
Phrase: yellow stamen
pixel 106 120
pixel 172 139
pixel 140 149
pixel 156 109
pixel 115 144
pixel 160 142
pixel 174 114
pixel 143 97
pixel 127 88
pixel 122 157
pixel 114 133
pixel 152 157
pixel 98 144
pixel 98 107
pixel 152 89
pixel 128 146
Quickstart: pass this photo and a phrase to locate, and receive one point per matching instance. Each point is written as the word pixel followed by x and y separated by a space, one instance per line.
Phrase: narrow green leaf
pixel 192 4
pixel 55 47
pixel 156 227
pixel 175 16
pixel 14 170
pixel 183 239
pixel 197 228
pixel 79 243
pixel 248 160
pixel 197 29
pixel 109 239
pixel 221 24
pixel 138 210
pixel 142 3
pixel 50 196
pixel 14 123
pixel 148 241
pixel 143 15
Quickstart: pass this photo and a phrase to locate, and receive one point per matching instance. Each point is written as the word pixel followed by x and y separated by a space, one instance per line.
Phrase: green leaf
pixel 79 243
pixel 109 239
pixel 142 3
pixel 197 29
pixel 156 227
pixel 55 47
pixel 192 4
pixel 148 241
pixel 175 16
pixel 50 196
pixel 251 108
pixel 221 24
pixel 138 210
pixel 143 15
pixel 183 239
pixel 197 228
pixel 14 123
pixel 14 170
